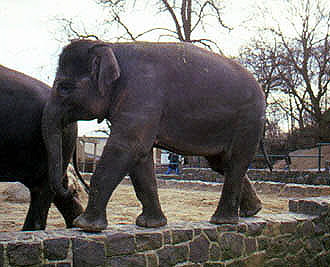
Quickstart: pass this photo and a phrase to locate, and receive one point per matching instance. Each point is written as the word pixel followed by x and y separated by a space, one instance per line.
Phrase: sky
pixel 29 33
pixel 28 36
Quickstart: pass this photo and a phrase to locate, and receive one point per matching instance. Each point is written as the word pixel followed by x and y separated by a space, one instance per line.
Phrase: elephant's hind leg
pixel 144 181
pixel 40 202
pixel 250 202
pixel 227 210
pixel 237 193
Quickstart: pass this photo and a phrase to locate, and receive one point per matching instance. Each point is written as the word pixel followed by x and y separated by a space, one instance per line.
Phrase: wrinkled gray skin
pixel 168 95
pixel 23 155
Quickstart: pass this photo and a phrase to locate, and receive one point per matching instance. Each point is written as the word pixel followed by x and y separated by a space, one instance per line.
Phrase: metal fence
pixel 87 161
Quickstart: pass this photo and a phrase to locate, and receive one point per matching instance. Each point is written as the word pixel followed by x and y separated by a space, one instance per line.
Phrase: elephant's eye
pixel 65 89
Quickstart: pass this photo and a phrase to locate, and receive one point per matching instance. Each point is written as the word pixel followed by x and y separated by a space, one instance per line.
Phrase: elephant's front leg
pixel 144 181
pixel 114 164
pixel 70 207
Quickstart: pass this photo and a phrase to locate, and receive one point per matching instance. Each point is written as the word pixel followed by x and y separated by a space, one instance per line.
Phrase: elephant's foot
pixel 90 224
pixel 151 222
pixel 248 211
pixel 224 219
pixel 74 210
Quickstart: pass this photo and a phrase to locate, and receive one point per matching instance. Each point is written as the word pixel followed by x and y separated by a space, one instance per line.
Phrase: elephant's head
pixel 84 79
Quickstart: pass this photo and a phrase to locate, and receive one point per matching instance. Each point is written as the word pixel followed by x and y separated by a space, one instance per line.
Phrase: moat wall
pixel 283 176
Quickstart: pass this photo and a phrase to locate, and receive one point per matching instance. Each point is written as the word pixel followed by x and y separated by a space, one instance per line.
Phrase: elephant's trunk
pixel 52 135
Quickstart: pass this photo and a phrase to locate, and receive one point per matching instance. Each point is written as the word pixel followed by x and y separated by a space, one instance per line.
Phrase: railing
pixel 319 155
pixel 198 162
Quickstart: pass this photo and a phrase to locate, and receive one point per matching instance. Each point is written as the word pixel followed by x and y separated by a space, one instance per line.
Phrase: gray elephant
pixel 174 96
pixel 23 155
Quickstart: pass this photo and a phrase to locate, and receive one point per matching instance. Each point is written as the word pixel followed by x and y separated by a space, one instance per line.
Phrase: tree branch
pixel 176 22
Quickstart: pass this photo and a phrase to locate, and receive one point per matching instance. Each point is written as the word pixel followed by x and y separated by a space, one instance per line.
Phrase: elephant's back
pixel 22 99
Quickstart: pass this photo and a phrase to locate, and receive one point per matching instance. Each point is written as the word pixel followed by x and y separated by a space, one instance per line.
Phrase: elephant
pixel 174 96
pixel 23 154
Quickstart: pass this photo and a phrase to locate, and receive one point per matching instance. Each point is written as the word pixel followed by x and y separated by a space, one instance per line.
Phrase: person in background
pixel 173 163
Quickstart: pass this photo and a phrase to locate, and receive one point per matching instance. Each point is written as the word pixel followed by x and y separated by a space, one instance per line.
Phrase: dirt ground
pixel 301 163
pixel 123 208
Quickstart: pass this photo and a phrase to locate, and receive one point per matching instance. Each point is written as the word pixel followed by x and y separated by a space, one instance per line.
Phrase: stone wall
pixel 290 240
pixel 300 237
pixel 298 177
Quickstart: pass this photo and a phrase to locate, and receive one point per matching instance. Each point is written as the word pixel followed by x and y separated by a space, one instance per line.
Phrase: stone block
pixel 167 237
pixel 288 227
pixel 119 244
pixel 56 249
pixel 314 245
pixel 250 245
pixel 24 253
pixel 182 235
pixel 306 228
pixel 263 242
pixel 295 245
pixel 172 255
pixel 199 249
pixel 253 260
pixel 152 259
pixel 255 229
pixel 88 253
pixel 272 229
pixel 278 246
pixel 231 245
pixel 211 233
pixel 148 241
pixel 215 252
pixel 302 258
pixel 127 261
pixel 320 228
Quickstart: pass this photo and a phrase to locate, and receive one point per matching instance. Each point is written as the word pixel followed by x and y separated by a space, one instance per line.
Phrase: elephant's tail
pixel 262 146
pixel 75 166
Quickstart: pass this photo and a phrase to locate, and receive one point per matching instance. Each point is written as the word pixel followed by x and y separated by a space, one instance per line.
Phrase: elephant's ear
pixel 105 69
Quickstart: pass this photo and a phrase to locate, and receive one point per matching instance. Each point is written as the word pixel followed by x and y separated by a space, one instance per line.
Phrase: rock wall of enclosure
pixel 298 177
pixel 300 237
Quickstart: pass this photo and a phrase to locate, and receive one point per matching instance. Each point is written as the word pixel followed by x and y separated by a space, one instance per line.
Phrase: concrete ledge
pixel 312 206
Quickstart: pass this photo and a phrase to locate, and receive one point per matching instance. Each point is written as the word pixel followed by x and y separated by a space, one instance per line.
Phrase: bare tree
pixel 187 20
pixel 69 30
pixel 298 63
pixel 307 57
